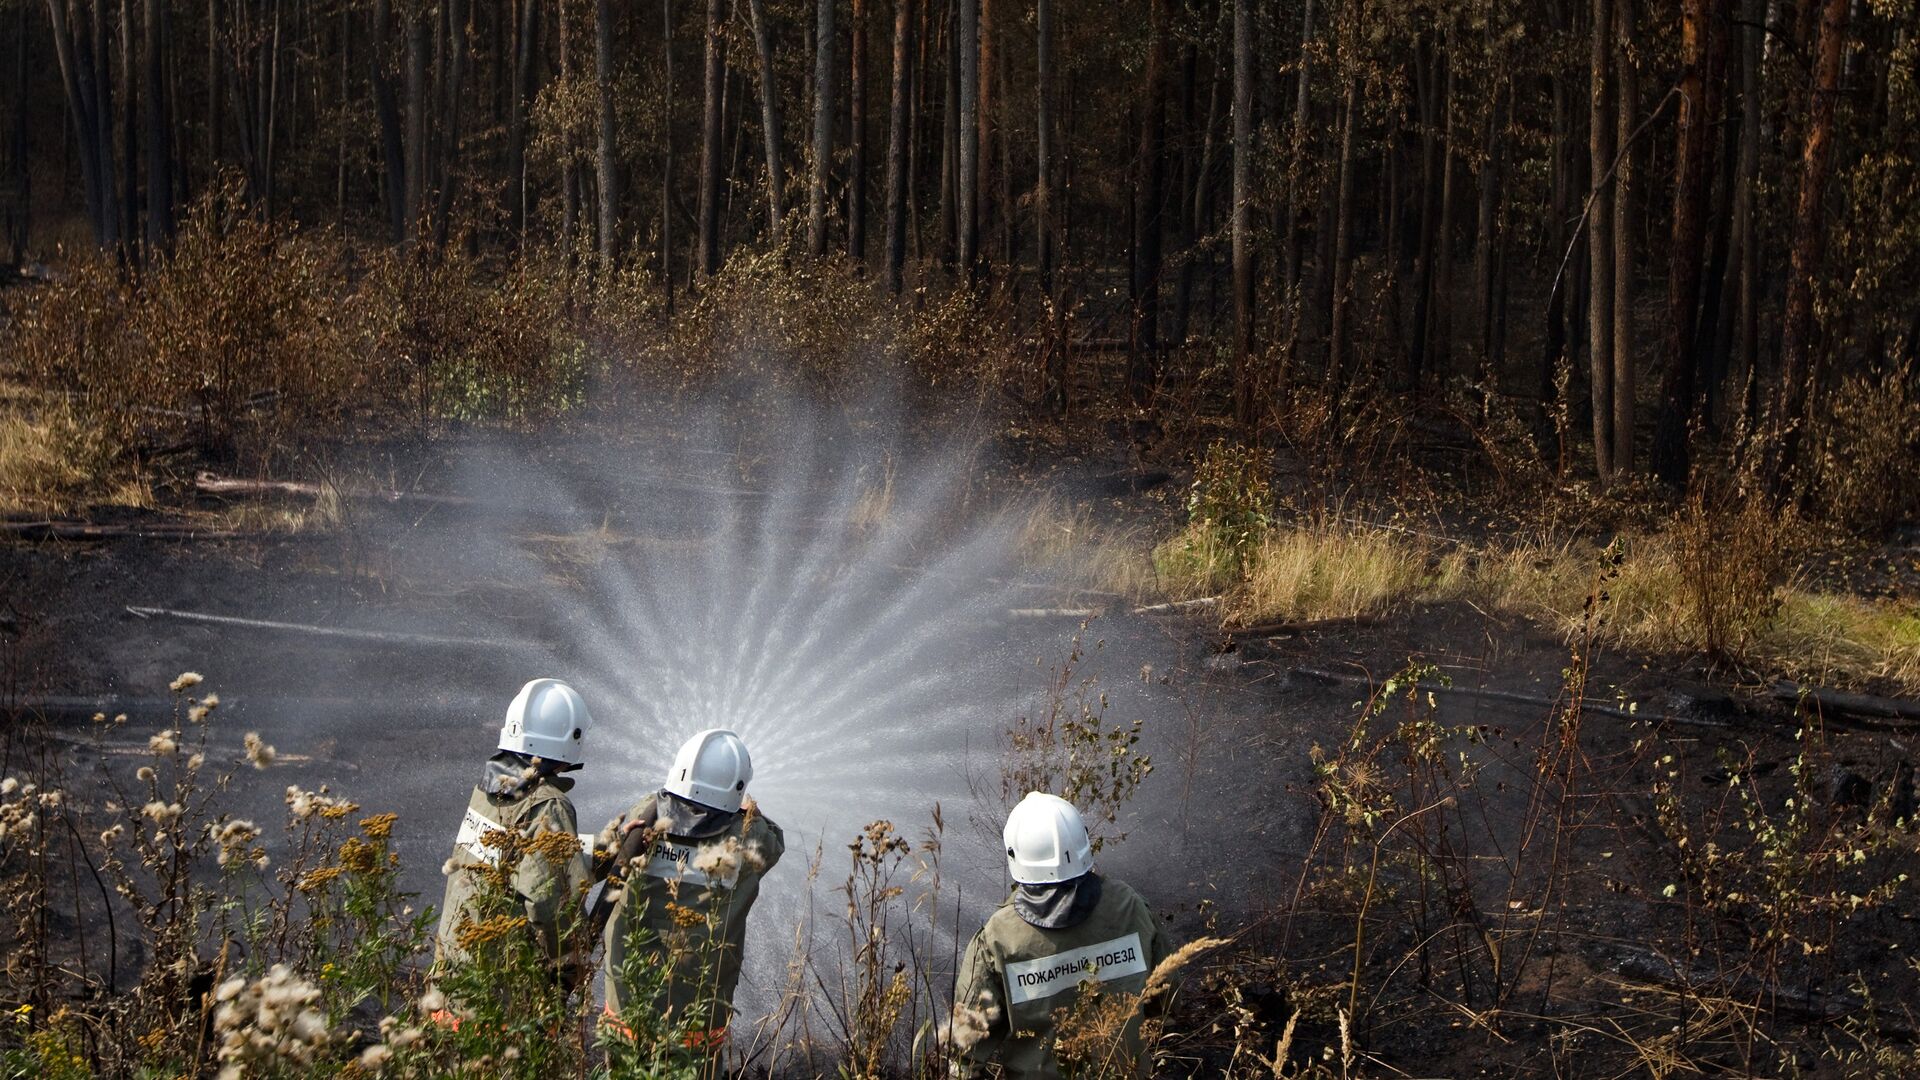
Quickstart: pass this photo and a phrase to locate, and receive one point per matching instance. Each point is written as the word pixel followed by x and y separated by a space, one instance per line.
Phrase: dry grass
pixel 1330 572
pixel 1067 543
pixel 52 463
pixel 1326 570
pixel 1722 588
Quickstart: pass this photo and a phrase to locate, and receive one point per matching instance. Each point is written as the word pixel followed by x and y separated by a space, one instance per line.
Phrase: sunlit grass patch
pixel 1819 635
pixel 51 463
pixel 1065 542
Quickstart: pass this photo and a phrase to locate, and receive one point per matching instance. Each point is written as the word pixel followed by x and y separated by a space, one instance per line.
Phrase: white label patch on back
pixel 1030 980
pixel 472 828
pixel 675 862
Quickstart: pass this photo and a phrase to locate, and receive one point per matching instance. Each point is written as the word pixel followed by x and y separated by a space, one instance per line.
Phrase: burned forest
pixel 1243 538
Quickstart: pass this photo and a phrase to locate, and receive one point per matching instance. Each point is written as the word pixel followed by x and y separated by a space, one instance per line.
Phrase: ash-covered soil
pixel 846 596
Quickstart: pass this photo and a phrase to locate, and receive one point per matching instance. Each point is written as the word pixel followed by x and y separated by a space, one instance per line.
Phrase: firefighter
pixel 522 794
pixel 1063 933
pixel 684 878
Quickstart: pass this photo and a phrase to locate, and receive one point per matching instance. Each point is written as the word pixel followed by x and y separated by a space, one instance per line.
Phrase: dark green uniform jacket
pixel 1016 975
pixel 549 890
pixel 695 893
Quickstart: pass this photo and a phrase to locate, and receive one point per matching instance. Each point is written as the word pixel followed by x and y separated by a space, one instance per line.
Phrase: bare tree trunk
pixel 214 90
pixel 1626 116
pixel 1339 324
pixel 984 204
pixel 1143 355
pixel 1693 158
pixel 450 124
pixel 416 22
pixel 666 162
pixel 607 159
pixel 158 46
pixel 569 171
pixel 712 150
pixel 526 52
pixel 857 136
pixel 1493 148
pixel 19 214
pixel 967 178
pixel 898 142
pixel 823 81
pixel 1441 343
pixel 387 112
pixel 1243 381
pixel 1046 247
pixel 950 140
pixel 1745 261
pixel 1809 234
pixel 769 119
pixel 80 48
pixel 1043 145
pixel 1296 164
pixel 1600 240
pixel 129 139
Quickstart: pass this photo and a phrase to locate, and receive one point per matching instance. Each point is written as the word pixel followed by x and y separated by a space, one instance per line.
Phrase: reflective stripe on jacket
pixel 1016 976
pixel 549 890
pixel 695 895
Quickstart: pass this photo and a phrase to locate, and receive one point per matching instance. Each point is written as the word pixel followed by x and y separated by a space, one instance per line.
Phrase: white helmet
pixel 712 769
pixel 547 719
pixel 1046 841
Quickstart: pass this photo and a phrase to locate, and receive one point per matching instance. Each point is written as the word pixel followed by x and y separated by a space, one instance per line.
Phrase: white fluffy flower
pixel 187 680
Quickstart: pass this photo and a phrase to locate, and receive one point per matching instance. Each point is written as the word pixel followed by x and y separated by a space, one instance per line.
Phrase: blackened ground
pixel 575 530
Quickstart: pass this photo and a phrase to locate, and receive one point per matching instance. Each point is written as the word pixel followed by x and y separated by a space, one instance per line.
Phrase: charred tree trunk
pixel 823 81
pixel 1692 168
pixel 79 47
pixel 712 150
pixel 1296 165
pixel 1627 78
pixel 393 155
pixel 526 52
pixel 607 159
pixel 159 128
pixel 898 147
pixel 967 177
pixel 857 135
pixel 667 154
pixel 1243 382
pixel 1044 250
pixel 769 119
pixel 1809 235
pixel 1143 366
pixel 1744 261
pixel 985 206
pixel 416 150
pixel 1600 134
pixel 950 139
pixel 1339 323
pixel 454 97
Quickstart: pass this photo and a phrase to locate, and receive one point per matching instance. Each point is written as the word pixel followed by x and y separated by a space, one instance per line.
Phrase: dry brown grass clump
pixel 52 462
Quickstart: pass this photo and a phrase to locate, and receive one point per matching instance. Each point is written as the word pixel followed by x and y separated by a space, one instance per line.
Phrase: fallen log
pixel 88 531
pixel 1859 708
pixel 383 637
pixel 1176 606
pixel 212 484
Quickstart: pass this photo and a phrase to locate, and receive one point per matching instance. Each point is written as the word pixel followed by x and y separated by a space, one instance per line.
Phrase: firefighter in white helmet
pixel 517 811
pixel 1064 932
pixel 685 874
